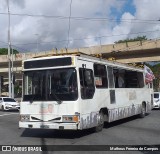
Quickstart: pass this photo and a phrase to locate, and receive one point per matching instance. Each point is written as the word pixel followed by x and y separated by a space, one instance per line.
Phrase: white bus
pixel 76 92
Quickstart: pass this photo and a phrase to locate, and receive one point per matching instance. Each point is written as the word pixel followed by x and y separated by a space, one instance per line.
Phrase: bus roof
pixel 95 58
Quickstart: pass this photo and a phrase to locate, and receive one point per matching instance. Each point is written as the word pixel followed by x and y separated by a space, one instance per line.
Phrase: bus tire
pixel 100 125
pixel 143 111
pixel 2 108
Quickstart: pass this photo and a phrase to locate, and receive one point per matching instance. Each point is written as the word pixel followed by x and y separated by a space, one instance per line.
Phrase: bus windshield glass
pixel 56 84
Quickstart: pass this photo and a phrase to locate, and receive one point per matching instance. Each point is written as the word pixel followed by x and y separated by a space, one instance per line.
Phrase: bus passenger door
pixel 87 103
pixel 86 83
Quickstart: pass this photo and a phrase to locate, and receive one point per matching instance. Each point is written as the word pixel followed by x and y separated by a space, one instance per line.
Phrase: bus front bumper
pixel 49 125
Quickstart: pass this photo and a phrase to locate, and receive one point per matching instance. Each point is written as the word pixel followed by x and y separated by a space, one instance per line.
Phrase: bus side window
pixel 119 78
pixel 100 74
pixel 87 83
pixel 140 79
pixel 134 79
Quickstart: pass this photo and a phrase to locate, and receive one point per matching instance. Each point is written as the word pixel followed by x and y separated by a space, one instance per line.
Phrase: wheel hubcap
pixel 143 110
pixel 100 119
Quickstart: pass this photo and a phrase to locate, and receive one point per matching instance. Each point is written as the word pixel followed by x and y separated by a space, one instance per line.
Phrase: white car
pixel 156 100
pixel 7 103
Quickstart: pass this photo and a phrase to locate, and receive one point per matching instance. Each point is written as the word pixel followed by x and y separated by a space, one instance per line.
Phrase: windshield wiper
pixel 57 99
pixel 33 98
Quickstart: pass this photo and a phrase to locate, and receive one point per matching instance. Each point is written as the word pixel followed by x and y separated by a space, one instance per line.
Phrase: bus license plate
pixel 44 126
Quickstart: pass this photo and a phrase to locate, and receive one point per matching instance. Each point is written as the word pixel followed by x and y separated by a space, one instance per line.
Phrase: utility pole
pixel 9 54
pixel 12 76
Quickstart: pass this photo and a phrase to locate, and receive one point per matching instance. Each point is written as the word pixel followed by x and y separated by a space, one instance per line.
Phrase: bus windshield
pixel 56 84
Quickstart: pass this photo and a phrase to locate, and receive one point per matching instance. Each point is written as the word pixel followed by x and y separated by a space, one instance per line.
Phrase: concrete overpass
pixel 131 52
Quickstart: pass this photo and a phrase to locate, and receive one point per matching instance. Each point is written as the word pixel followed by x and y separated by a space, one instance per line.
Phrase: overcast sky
pixel 84 23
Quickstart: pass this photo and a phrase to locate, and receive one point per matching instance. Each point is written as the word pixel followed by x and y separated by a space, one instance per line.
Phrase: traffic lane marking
pixel 8 114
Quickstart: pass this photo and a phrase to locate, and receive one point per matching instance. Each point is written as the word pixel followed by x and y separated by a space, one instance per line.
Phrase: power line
pixel 87 38
pixel 87 18
pixel 76 39
pixel 14 46
pixel 121 49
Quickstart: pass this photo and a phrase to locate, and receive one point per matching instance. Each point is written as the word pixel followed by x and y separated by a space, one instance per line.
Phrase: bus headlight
pixel 25 117
pixel 70 118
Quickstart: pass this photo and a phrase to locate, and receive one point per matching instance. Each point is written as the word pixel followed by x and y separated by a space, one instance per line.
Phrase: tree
pixel 4 51
pixel 138 38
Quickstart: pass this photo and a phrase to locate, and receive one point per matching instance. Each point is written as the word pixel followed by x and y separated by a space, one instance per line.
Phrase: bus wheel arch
pixel 143 110
pixel 105 113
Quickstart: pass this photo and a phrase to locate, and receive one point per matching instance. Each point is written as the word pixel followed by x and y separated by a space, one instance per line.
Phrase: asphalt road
pixel 130 131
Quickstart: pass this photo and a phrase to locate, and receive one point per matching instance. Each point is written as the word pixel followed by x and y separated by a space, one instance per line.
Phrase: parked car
pixel 7 103
pixel 156 100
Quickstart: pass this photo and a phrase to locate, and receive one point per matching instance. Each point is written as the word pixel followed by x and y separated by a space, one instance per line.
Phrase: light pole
pixel 9 54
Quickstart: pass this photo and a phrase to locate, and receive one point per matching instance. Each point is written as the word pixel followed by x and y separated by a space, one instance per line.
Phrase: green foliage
pixel 4 51
pixel 138 38
pixel 17 90
pixel 156 70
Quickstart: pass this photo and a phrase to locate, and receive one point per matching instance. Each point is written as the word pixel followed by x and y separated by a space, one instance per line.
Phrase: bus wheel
pixel 100 125
pixel 143 111
pixel 2 108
